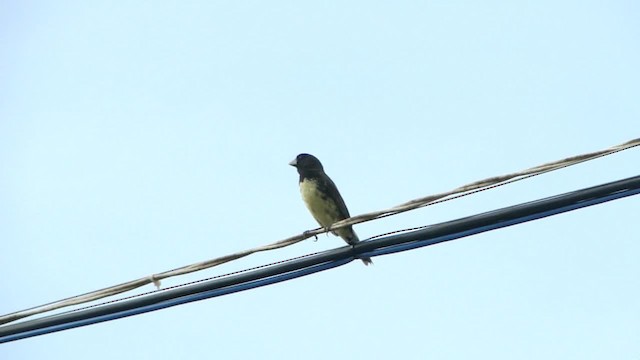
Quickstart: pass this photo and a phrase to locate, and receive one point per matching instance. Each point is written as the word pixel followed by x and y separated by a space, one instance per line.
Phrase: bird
pixel 322 198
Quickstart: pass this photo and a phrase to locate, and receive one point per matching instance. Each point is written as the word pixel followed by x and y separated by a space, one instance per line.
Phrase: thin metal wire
pixel 465 190
pixel 306 265
pixel 196 281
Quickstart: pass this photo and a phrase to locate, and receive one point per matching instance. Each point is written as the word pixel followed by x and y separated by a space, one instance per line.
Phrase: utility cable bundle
pixel 411 205
pixel 306 265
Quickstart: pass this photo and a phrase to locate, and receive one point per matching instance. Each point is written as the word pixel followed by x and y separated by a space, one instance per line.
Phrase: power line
pixel 288 270
pixel 465 190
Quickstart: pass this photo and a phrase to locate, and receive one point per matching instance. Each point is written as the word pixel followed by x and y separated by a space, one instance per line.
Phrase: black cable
pixel 325 260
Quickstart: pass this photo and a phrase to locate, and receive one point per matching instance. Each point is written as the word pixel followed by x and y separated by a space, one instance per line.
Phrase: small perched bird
pixel 322 198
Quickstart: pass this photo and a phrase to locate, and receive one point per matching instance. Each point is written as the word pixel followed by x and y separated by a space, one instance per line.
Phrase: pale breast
pixel 325 212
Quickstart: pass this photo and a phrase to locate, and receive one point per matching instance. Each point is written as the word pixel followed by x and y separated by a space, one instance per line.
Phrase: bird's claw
pixel 306 233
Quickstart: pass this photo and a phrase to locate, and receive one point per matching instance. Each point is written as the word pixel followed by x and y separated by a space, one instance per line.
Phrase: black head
pixel 307 163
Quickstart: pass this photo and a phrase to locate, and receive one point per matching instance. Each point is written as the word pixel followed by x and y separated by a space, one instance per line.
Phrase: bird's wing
pixel 332 191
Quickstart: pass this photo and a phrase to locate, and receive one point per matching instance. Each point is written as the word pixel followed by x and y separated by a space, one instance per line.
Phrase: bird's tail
pixel 367 261
pixel 352 239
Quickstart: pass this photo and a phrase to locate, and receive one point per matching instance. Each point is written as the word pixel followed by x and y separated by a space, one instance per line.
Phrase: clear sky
pixel 136 137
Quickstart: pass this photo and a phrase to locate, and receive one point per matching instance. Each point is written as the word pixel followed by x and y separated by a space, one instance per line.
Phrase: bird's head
pixel 306 163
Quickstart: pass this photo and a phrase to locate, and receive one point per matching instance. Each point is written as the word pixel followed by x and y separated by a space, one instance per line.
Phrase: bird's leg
pixel 327 229
pixel 306 233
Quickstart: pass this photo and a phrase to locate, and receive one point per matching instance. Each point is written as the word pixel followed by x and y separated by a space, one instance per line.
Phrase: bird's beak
pixel 294 162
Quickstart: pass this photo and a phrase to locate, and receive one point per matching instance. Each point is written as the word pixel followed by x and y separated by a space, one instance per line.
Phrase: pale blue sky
pixel 136 137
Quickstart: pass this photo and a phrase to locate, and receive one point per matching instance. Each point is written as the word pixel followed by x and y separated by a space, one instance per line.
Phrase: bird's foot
pixel 306 233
